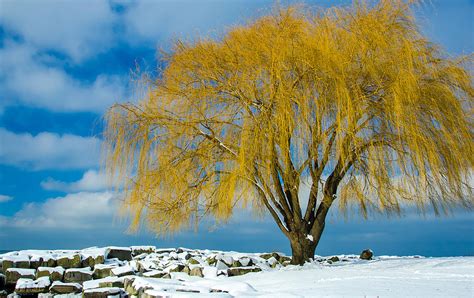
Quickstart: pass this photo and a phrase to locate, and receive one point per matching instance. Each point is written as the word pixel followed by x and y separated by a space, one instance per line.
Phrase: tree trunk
pixel 301 252
pixel 303 244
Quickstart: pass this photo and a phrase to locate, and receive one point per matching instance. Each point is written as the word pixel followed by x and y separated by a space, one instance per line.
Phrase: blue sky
pixel 62 63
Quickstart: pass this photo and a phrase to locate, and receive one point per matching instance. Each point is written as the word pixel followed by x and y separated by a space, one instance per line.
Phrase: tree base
pixel 302 251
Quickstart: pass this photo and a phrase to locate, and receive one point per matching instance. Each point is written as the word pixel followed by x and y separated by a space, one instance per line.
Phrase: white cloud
pixel 158 21
pixel 77 28
pixel 48 150
pixel 90 181
pixel 84 210
pixel 4 198
pixel 27 79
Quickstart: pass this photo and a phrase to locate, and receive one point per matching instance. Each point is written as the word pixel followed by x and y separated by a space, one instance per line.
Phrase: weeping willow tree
pixel 355 102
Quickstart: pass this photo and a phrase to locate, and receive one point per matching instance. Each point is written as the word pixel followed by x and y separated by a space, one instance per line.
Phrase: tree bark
pixel 303 246
pixel 303 243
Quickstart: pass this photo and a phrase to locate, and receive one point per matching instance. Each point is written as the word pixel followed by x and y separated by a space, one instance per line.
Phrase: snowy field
pixel 150 272
pixel 382 277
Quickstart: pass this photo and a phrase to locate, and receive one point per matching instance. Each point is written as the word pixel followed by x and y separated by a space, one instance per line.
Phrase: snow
pixel 70 284
pixel 109 248
pixel 26 283
pixel 105 266
pixel 209 272
pixel 92 284
pixel 227 259
pixel 16 258
pixel 93 252
pixel 383 277
pixel 310 238
pixel 111 290
pixel 22 272
pixel 118 271
pixel 221 265
pixel 50 270
pixel 86 270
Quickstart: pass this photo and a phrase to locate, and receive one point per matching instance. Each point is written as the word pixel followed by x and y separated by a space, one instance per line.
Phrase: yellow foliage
pixel 356 99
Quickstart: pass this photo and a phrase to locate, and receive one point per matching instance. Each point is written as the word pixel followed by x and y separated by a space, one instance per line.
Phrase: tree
pixel 354 102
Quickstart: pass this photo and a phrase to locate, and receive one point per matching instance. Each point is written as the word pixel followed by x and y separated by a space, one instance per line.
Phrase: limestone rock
pixel 14 274
pixel 92 261
pixel 41 261
pixel 102 270
pixel 54 274
pixel 196 271
pixel 245 261
pixel 106 282
pixel 78 275
pixel 193 261
pixel 174 268
pixel 236 263
pixel 267 256
pixel 26 286
pixel 273 262
pixel 122 271
pixel 227 260
pixel 65 288
pixel 102 292
pixel 112 283
pixel 69 261
pixel 121 253
pixel 155 274
pixel 211 260
pixel 366 254
pixel 18 261
pixel 138 250
pixel 242 270
pixel 128 285
pixel 220 265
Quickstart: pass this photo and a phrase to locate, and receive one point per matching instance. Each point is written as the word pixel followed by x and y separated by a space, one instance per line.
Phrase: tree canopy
pixel 354 101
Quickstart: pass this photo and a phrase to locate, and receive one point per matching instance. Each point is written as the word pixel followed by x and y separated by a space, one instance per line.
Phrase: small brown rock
pixel 366 254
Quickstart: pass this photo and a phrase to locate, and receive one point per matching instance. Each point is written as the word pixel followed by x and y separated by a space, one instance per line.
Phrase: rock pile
pixel 141 271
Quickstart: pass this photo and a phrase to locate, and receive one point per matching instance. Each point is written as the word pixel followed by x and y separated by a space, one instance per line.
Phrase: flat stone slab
pixel 54 273
pixel 14 274
pixel 138 250
pixel 26 286
pixel 70 261
pixel 15 261
pixel 78 275
pixel 121 253
pixel 123 271
pixel 103 270
pixel 107 282
pixel 242 270
pixel 65 288
pixel 102 292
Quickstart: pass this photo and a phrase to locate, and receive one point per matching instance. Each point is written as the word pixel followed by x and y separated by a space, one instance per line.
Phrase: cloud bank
pixel 78 29
pixel 26 78
pixel 84 210
pixel 48 151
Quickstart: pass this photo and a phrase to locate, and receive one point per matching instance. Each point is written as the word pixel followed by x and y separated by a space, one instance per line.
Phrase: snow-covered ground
pixel 149 272
pixel 382 277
